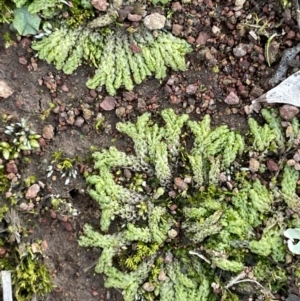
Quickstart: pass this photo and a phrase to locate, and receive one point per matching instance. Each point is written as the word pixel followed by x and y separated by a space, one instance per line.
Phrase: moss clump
pixel 6 13
pixel 174 202
pixel 31 278
pixel 117 65
pixel 264 270
pixel 4 182
pixel 122 56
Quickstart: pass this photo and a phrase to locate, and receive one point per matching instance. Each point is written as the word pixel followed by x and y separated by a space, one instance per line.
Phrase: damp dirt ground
pixel 216 69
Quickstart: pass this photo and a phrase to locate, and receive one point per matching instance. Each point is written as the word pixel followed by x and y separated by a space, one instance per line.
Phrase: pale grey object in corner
pixel 6 285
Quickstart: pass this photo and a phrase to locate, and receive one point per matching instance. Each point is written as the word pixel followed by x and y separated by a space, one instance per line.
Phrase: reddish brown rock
pixel 202 38
pixel 95 293
pixel 32 191
pixel 53 214
pixel 175 100
pixel 2 252
pixel 108 104
pixel 134 17
pixel 64 88
pixel 67 226
pixel 23 60
pixel 177 29
pixel 25 43
pixel 11 167
pixel 232 99
pixel 176 6
pixel 272 165
pixel 191 40
pixel 100 4
pixel 191 89
pixel 93 93
pixel 48 132
pixel 130 96
pixel 180 184
pixel 79 121
pixel 288 112
pixel 123 13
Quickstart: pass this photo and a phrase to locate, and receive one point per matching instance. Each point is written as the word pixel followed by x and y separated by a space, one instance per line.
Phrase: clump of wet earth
pixel 226 71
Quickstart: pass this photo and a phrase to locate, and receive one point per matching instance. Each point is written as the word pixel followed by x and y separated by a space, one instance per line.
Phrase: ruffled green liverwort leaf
pixel 5 154
pixel 293 234
pixel 161 1
pixel 24 22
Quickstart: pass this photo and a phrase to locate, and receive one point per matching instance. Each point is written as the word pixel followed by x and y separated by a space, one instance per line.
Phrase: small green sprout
pixel 63 206
pixel 64 165
pixel 99 123
pixel 19 138
pixel 30 180
pixel 216 69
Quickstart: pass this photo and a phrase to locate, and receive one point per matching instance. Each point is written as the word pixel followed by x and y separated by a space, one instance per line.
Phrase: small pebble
pixel 172 233
pixel 288 112
pixel 232 99
pixel 120 112
pixel 162 275
pixel 108 103
pixel 32 191
pixel 239 2
pixel 79 121
pixel 11 167
pixel 177 29
pixel 148 287
pixel 87 113
pixel 272 165
pixel 5 90
pixel 23 60
pixel 240 50
pixel 254 165
pixel 202 38
pixel 191 89
pixel 48 132
pixel 134 17
pixel 155 21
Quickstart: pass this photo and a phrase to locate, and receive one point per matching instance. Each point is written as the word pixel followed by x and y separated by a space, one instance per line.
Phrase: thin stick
pixel 235 279
pixel 6 285
pixel 200 256
pixel 250 280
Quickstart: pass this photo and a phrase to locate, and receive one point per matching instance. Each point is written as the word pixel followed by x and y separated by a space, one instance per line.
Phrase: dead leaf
pixel 100 4
pixel 287 92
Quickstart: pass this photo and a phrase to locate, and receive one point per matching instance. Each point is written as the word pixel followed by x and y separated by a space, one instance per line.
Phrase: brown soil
pixel 36 84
